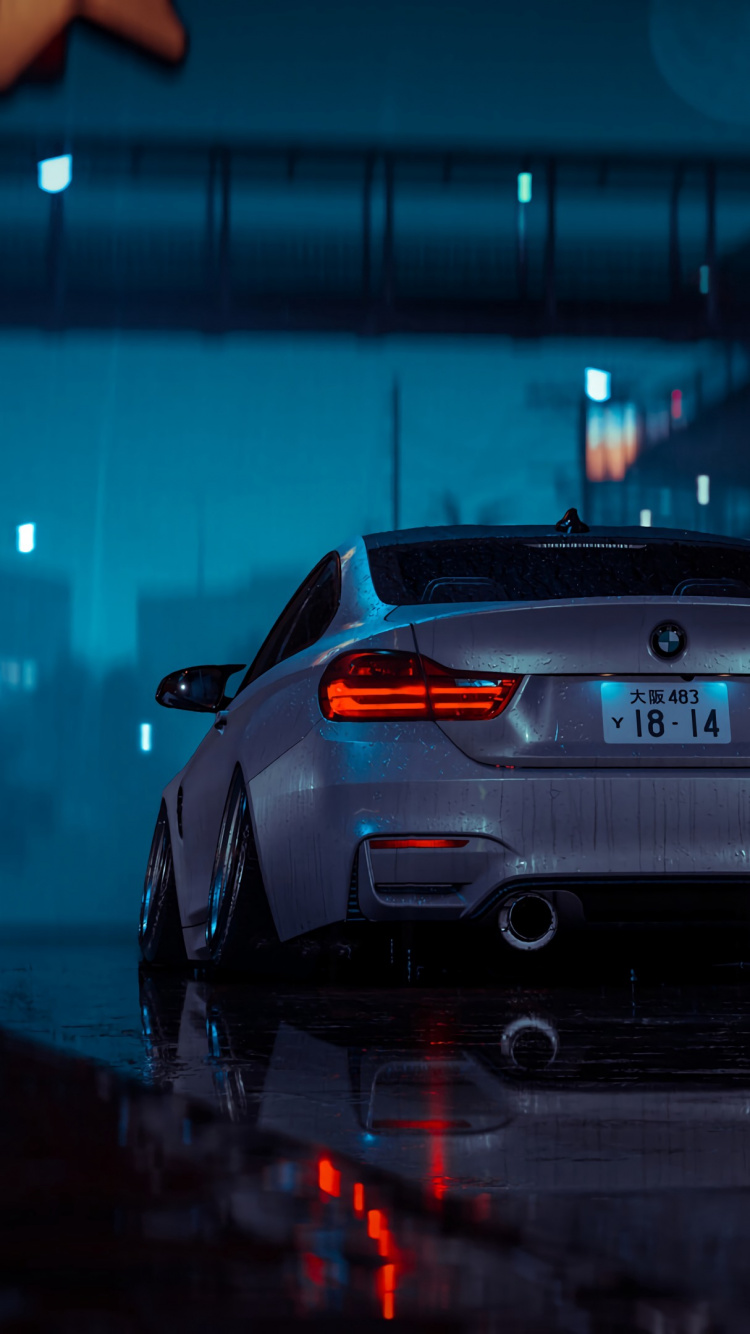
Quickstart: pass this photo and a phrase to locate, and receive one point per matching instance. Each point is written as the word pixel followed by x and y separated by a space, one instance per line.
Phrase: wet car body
pixel 567 803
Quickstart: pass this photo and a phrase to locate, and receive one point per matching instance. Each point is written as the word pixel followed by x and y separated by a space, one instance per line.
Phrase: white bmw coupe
pixel 531 729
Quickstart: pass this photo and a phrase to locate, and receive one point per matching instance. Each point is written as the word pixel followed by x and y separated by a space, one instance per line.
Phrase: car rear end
pixel 574 720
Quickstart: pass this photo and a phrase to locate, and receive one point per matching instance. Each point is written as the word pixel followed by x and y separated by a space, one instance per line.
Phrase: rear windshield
pixel 535 570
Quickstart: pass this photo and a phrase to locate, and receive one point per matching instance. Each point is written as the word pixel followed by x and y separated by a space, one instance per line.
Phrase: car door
pixel 206 779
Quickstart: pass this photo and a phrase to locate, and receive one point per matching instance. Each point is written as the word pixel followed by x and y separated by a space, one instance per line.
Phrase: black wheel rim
pixel 230 863
pixel 158 872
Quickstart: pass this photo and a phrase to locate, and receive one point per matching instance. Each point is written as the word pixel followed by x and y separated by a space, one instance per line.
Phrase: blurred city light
pixel 55 173
pixel 29 675
pixel 145 736
pixel 524 187
pixel 704 279
pixel 645 518
pixel 597 384
pixel 18 675
pixel 613 441
pixel 703 488
pixel 676 404
pixel 10 673
pixel 26 537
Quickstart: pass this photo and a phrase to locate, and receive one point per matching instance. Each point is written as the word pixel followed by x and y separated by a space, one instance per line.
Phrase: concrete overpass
pixel 373 240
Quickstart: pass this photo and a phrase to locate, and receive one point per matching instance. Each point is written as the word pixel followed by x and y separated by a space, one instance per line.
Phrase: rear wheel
pixel 160 930
pixel 240 929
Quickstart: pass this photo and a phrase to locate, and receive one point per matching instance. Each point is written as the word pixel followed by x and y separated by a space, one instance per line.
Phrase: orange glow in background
pixel 613 441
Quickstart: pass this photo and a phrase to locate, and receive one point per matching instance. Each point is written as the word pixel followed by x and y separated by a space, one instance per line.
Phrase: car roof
pixel 456 532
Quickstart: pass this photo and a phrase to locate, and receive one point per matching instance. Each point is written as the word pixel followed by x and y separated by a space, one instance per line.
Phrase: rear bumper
pixel 592 900
pixel 649 900
pixel 654 838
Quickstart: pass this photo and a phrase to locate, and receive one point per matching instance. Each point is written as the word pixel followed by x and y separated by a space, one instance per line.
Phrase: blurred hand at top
pixel 28 27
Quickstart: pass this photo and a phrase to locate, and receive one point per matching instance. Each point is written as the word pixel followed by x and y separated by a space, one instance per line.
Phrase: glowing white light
pixel 524 187
pixel 597 384
pixel 703 488
pixel 26 537
pixel 704 279
pixel 55 173
pixel 145 736
pixel 645 518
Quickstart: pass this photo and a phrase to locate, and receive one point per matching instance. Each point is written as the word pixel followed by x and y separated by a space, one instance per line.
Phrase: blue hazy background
pixel 183 484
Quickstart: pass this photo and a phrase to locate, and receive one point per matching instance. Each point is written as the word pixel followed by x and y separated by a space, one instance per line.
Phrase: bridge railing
pixel 372 239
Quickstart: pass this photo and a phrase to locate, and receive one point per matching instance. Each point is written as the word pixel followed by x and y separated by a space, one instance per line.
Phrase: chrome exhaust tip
pixel 528 921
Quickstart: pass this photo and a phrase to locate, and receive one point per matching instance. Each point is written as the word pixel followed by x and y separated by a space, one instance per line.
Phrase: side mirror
pixel 197 689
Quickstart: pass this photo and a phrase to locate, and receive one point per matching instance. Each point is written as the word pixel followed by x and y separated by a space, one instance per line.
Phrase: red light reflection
pixel 386 1287
pixel 329 1179
pixel 314 1266
pixel 317 1269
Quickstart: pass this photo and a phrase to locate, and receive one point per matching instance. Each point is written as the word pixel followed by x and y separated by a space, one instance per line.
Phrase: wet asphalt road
pixel 181 1153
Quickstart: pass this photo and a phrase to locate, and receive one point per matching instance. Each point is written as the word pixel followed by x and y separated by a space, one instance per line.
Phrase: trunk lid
pixel 567 651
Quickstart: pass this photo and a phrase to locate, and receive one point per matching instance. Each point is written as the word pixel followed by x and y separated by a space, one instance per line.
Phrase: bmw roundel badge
pixel 667 640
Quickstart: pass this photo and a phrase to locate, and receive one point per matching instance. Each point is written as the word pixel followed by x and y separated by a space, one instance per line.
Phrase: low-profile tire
pixel 160 937
pixel 240 932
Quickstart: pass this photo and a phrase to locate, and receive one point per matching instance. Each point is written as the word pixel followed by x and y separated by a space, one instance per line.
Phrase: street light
pixel 524 187
pixel 25 537
pixel 597 384
pixel 55 173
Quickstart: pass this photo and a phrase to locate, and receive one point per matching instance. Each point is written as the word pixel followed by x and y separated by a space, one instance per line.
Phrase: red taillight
pixel 381 685
pixel 467 694
pixel 374 685
pixel 380 843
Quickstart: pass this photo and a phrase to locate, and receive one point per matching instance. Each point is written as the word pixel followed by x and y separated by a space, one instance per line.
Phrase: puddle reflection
pixel 585 1164
pixel 467 1093
pixel 512 1159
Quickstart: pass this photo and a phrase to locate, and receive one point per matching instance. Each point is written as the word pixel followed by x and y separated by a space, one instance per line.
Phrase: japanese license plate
pixel 677 714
